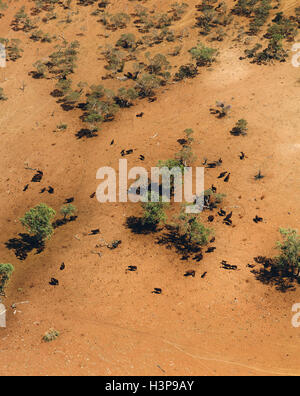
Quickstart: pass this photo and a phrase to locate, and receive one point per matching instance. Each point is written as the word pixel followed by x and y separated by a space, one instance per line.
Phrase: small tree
pixel 203 55
pixel 289 258
pixel 146 85
pixel 192 230
pixel 6 271
pixel 67 210
pixel 127 41
pixel 38 221
pixel 154 213
pixel 158 65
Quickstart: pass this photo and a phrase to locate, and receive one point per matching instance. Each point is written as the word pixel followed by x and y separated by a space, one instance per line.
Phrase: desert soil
pixel 228 323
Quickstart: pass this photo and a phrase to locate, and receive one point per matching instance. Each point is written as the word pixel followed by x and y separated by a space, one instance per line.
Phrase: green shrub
pixel 146 84
pixel 261 14
pixel 67 210
pixel 244 7
pixel 115 59
pixel 50 335
pixel 186 71
pixel 154 214
pixel 127 41
pixel 186 156
pixel 283 29
pixel 240 128
pixel 289 258
pixel 158 65
pixel 3 7
pixel 37 221
pixel 192 229
pixel 203 55
pixel 6 271
pixel 178 10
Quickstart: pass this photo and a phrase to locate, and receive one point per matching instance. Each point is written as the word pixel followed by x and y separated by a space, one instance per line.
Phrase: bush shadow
pixel 268 274
pixel 61 222
pixel 136 225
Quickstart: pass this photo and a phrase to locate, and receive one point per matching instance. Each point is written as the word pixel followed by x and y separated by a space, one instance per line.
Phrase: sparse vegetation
pixel 67 210
pixel 2 96
pixel 50 335
pixel 203 55
pixel 192 229
pixel 289 258
pixel 6 271
pixel 240 128
pixel 154 213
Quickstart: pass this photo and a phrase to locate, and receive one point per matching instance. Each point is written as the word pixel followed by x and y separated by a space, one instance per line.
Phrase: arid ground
pixel 110 323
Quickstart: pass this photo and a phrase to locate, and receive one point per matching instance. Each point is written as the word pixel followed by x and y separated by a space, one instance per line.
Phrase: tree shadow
pixel 136 225
pixel 268 274
pixel 25 244
pixel 172 239
pixel 61 222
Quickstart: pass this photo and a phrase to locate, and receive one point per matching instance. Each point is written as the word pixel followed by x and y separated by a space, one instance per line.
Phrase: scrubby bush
pixel 2 96
pixel 244 7
pixel 50 335
pixel 63 60
pixel 158 65
pixel 289 258
pixel 13 49
pixel 125 97
pixel 6 271
pixel 186 71
pixel 100 105
pixel 186 156
pixel 284 29
pixel 206 21
pixel 273 52
pixel 115 59
pixel 146 84
pixel 154 214
pixel 203 55
pixel 178 10
pixel 38 221
pixel 261 14
pixel 190 228
pixel 41 69
pixel 67 210
pixel 3 7
pixel 38 35
pixel 127 41
pixel 240 128
pixel 22 21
